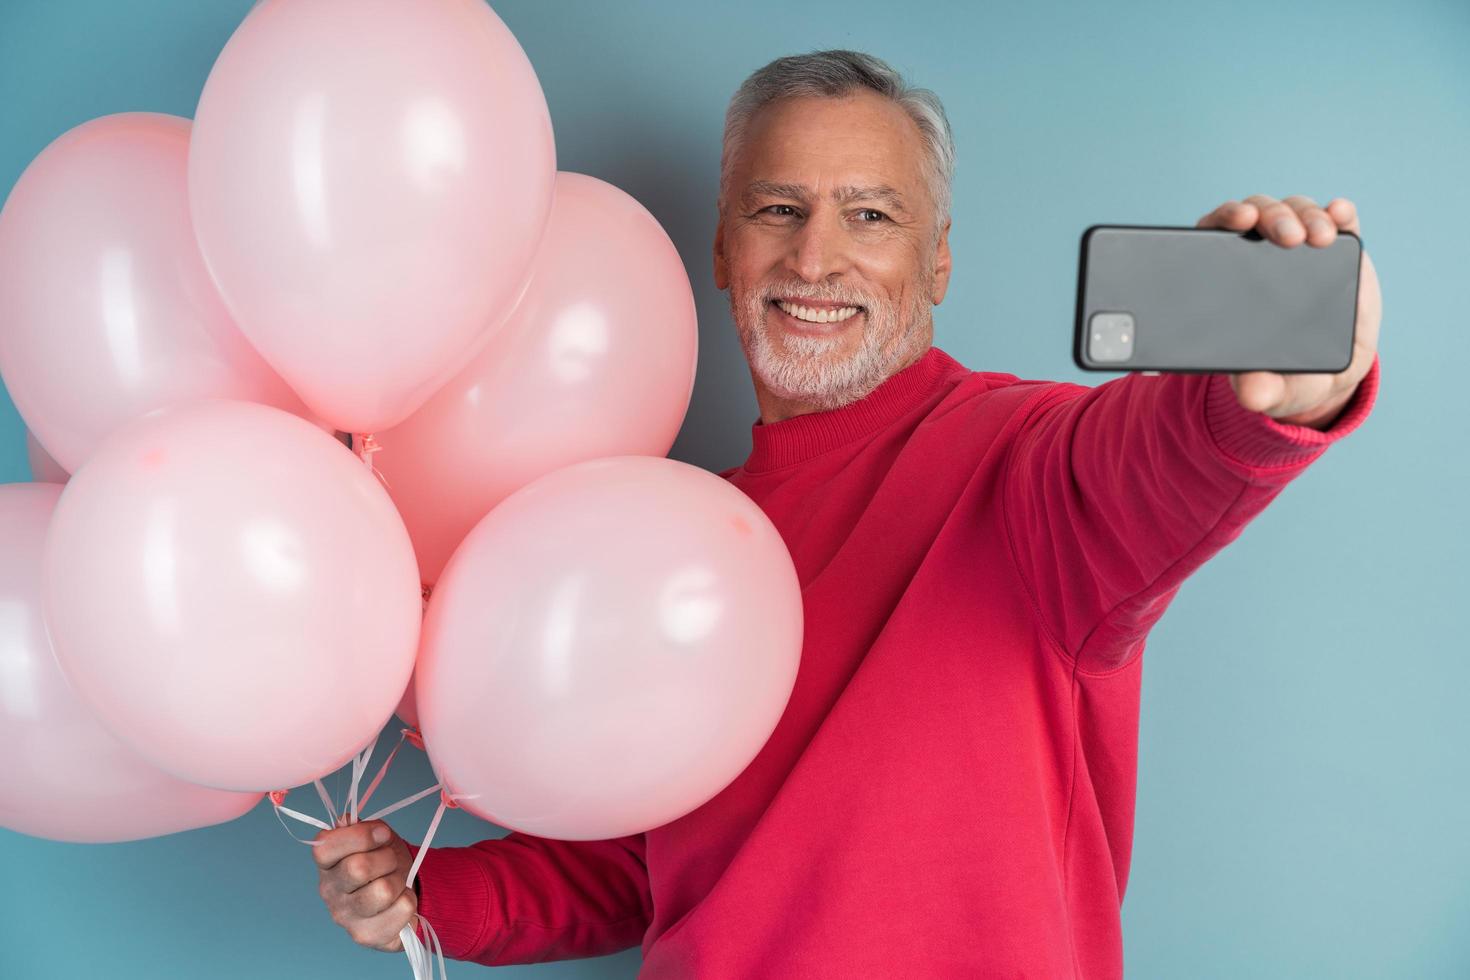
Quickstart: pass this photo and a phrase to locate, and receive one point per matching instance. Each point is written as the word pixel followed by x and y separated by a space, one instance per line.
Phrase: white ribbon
pixel 417 954
pixel 421 958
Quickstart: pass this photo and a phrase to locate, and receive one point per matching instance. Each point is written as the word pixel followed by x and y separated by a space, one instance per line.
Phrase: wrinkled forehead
pixel 830 147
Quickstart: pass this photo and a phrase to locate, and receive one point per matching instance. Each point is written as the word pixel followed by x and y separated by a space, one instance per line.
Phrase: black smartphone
pixel 1158 298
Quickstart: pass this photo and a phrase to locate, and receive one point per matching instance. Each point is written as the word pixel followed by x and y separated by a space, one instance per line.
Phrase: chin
pixel 824 376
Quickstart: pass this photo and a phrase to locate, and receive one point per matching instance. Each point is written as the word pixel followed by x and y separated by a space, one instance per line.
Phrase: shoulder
pixel 998 393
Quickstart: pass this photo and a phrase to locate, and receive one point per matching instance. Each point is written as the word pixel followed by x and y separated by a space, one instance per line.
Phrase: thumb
pixel 1258 391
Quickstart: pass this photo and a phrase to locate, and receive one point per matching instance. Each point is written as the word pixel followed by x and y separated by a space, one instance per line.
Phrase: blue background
pixel 1302 792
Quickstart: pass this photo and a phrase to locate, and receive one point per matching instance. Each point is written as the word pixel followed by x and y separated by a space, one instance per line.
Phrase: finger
pixel 372 898
pixel 1321 228
pixel 381 931
pixel 334 845
pixel 356 870
pixel 1232 215
pixel 1277 221
pixel 1345 213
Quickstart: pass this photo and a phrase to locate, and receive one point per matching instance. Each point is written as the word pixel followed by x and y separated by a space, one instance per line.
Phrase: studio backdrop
pixel 1303 784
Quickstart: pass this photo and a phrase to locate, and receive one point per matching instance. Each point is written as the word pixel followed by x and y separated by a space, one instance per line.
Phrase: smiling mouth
pixel 815 314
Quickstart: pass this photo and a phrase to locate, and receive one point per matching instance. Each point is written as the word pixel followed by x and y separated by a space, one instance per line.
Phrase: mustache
pixel 805 290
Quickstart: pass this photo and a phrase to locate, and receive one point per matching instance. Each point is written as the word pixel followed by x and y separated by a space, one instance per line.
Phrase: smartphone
pixel 1192 300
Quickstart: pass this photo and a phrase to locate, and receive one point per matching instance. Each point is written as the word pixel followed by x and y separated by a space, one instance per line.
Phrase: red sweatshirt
pixel 950 791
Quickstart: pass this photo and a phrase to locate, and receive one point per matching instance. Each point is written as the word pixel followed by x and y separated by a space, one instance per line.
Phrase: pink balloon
pixel 44 469
pixel 369 181
pixel 598 359
pixel 408 710
pixel 408 706
pixel 62 775
pixel 233 594
pixel 608 649
pixel 106 308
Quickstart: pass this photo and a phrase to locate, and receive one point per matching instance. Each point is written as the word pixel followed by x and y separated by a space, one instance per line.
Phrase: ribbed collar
pixel 801 437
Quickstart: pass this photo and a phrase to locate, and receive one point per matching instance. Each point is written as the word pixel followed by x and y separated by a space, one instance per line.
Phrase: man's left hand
pixel 1313 400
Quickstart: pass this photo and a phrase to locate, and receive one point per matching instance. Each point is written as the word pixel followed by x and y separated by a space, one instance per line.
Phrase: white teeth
pixel 818 316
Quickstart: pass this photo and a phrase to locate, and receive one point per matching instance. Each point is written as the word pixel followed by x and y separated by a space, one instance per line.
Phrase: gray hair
pixel 834 74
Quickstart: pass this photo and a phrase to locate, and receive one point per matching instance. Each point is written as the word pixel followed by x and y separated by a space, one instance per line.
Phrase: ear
pixel 942 265
pixel 722 265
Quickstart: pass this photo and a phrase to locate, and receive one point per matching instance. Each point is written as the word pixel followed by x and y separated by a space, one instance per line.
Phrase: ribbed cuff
pixel 456 897
pixel 1256 441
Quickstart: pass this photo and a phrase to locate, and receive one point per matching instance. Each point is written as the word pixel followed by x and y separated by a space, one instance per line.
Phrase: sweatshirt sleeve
pixel 1115 494
pixel 526 899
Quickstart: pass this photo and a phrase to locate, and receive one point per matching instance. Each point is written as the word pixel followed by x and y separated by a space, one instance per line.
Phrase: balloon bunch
pixel 363 233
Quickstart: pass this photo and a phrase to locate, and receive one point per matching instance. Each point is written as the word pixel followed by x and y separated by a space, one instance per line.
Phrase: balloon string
pixel 445 802
pixel 421 958
pixel 294 815
pixel 406 801
pixel 365 444
pixel 326 798
pixel 418 956
pixel 359 766
pixel 383 769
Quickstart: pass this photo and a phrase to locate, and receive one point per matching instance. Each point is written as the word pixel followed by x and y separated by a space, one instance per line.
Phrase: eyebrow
pixel 841 195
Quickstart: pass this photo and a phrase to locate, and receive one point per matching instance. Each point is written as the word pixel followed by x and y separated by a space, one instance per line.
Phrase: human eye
pixel 778 210
pixel 879 218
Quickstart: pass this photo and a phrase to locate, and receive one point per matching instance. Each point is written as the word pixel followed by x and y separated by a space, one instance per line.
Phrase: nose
pixel 818 249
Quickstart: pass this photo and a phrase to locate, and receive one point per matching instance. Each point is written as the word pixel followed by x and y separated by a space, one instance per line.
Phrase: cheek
pixel 751 256
pixel 892 261
pixel 892 280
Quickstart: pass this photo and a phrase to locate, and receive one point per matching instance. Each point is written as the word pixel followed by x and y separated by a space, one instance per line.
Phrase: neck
pixel 776 407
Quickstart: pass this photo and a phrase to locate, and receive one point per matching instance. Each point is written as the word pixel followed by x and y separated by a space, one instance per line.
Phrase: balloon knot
pixel 414 738
pixel 367 444
pixel 447 800
pixel 278 796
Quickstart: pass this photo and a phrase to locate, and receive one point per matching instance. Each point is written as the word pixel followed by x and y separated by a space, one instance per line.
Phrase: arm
pixel 1115 494
pixel 526 899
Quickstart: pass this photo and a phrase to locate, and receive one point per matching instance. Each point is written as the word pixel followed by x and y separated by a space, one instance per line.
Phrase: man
pixel 950 790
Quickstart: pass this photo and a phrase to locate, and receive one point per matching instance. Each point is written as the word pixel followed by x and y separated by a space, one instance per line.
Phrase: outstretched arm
pixel 1115 494
pixel 527 899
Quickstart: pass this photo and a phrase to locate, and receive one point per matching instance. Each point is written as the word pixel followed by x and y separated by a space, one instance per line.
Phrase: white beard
pixel 809 368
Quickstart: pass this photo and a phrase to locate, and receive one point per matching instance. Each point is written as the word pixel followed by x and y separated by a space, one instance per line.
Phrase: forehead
pixel 859 139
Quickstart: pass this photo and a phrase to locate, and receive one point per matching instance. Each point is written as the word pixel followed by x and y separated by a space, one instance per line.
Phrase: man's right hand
pixel 363 870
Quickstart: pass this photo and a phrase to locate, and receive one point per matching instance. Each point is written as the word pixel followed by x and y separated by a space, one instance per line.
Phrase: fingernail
pixel 380 834
pixel 1319 226
pixel 1283 227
